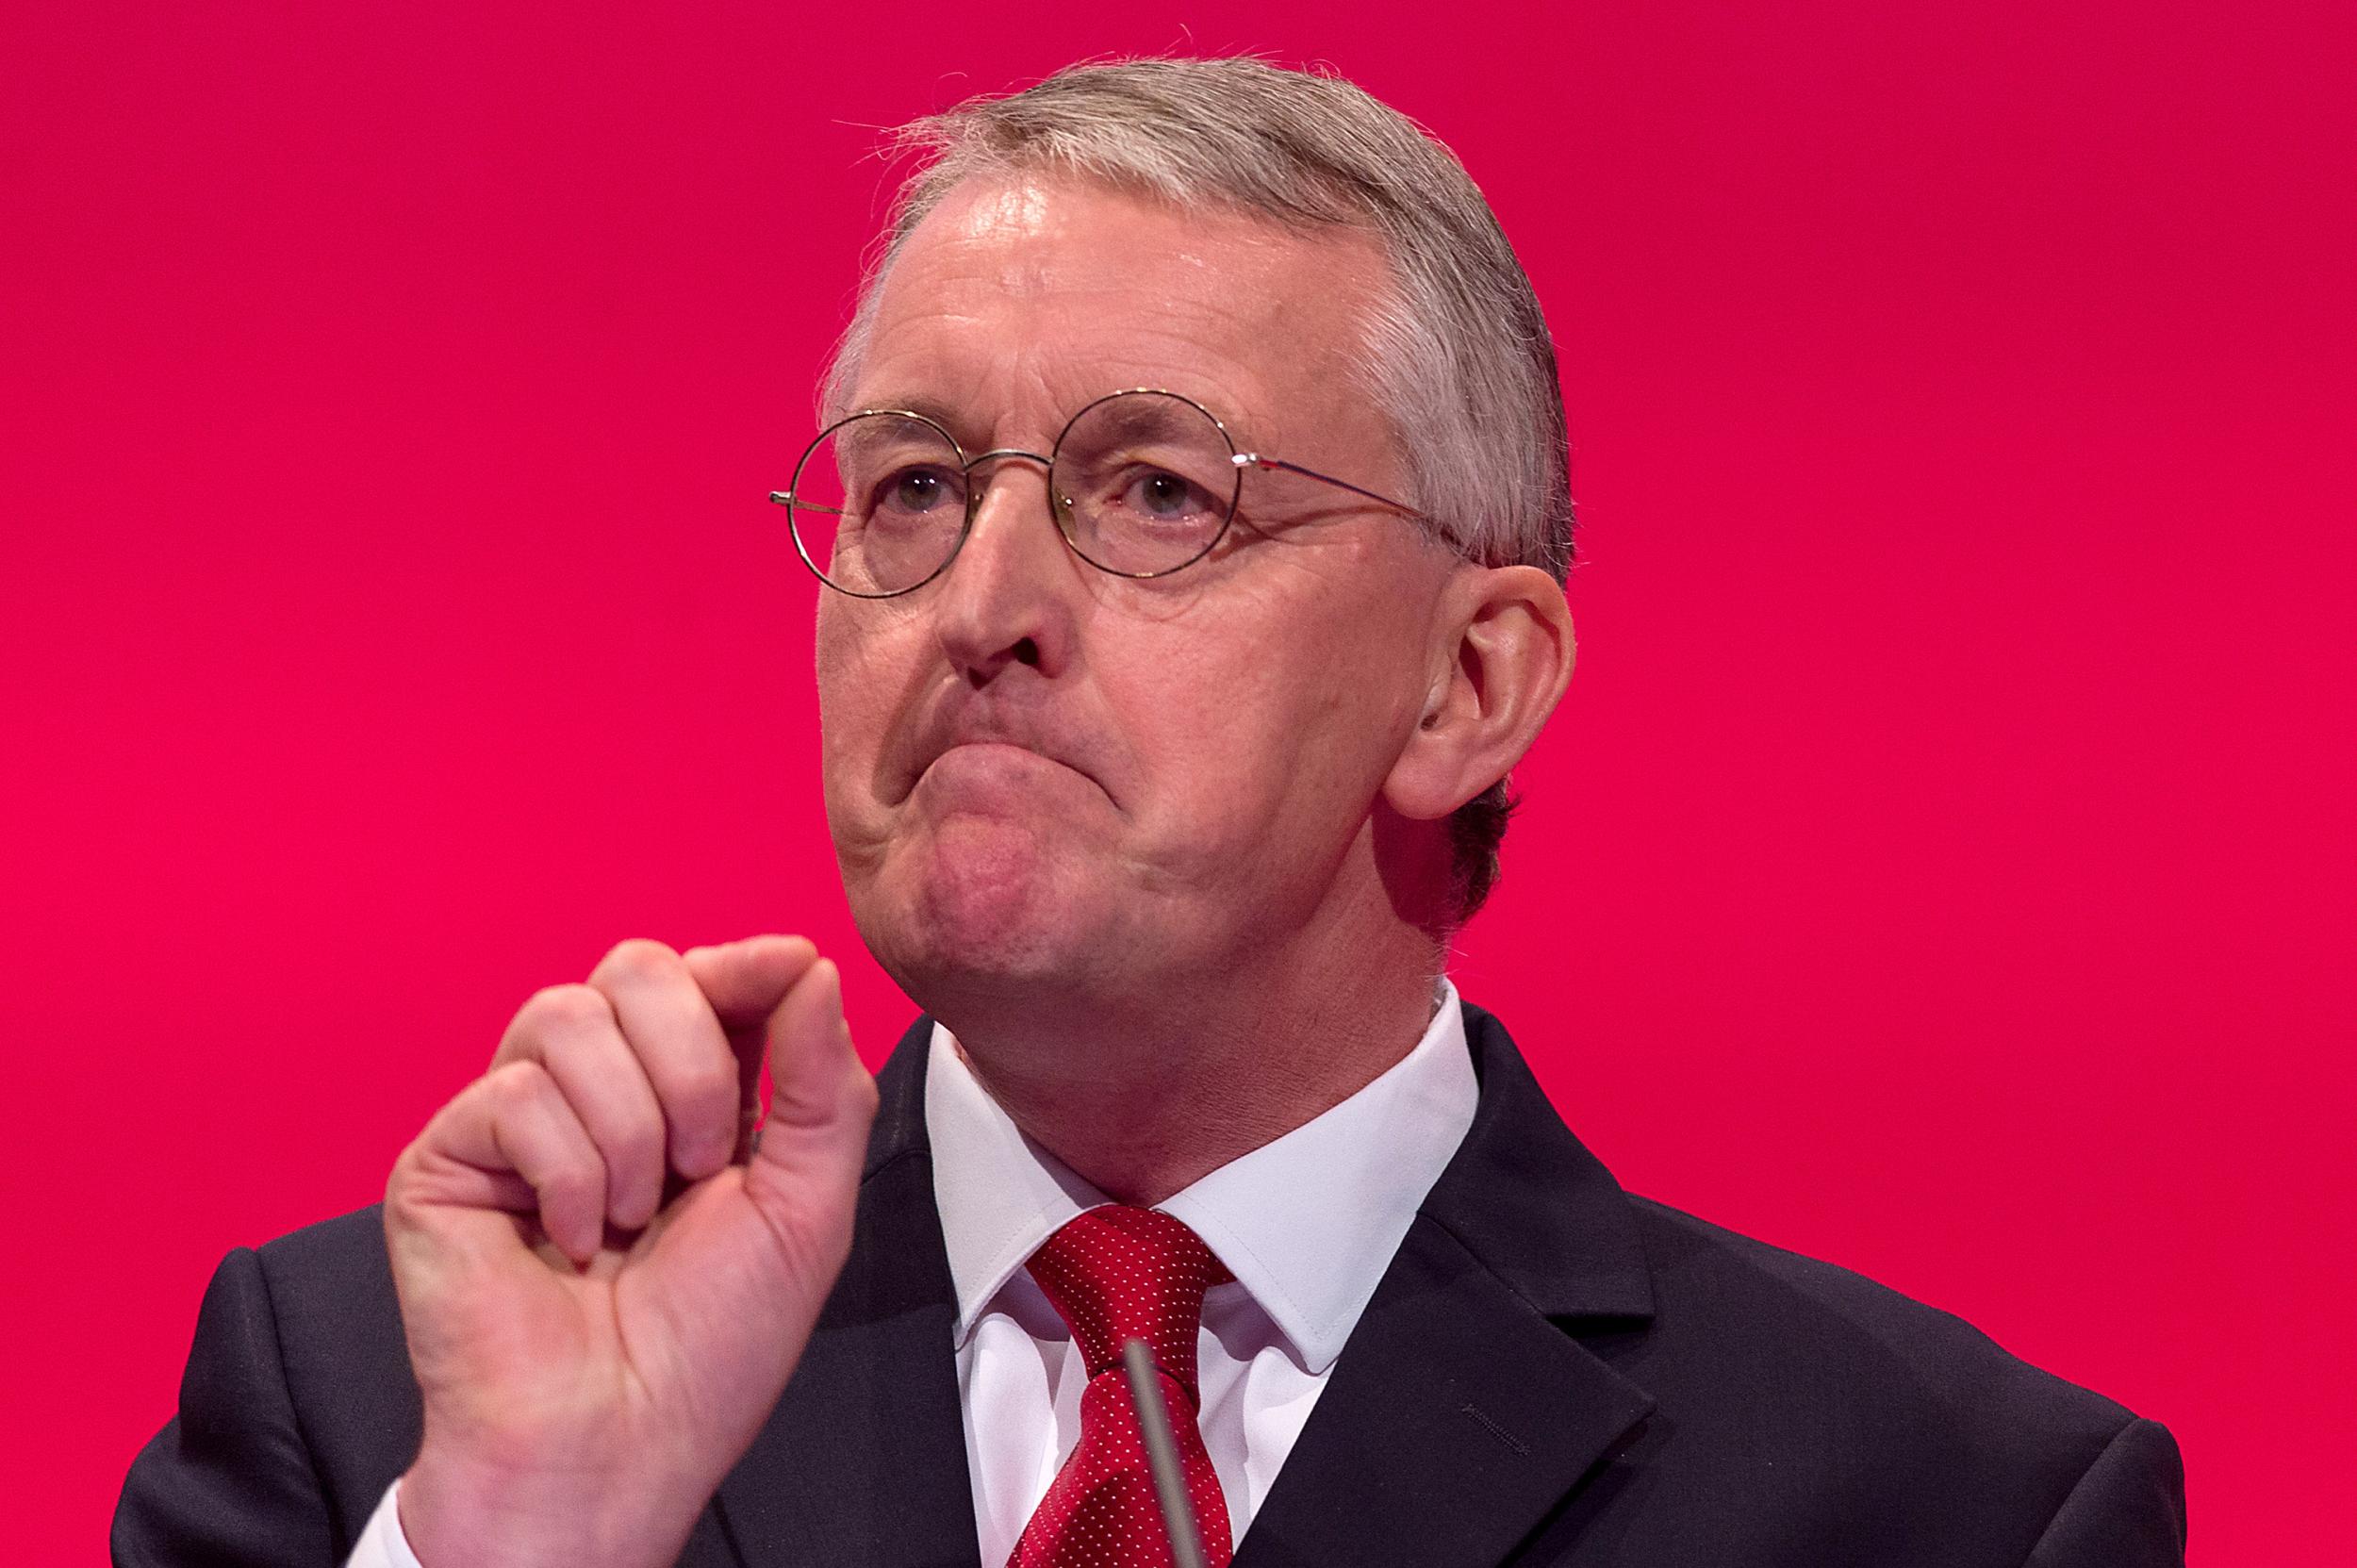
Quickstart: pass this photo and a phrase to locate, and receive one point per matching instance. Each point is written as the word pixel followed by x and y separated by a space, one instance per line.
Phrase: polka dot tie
pixel 1118 1274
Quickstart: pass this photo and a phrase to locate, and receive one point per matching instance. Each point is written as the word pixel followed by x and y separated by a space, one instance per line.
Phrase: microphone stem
pixel 1162 1457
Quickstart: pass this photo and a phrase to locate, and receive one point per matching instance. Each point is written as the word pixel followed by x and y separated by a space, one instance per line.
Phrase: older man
pixel 1191 513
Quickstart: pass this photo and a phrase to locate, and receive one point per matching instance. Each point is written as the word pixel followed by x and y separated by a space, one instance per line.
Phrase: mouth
pixel 993 763
pixel 997 777
pixel 969 745
pixel 989 753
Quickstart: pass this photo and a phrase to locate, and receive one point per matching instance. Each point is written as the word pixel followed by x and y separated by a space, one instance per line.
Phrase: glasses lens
pixel 1144 483
pixel 879 503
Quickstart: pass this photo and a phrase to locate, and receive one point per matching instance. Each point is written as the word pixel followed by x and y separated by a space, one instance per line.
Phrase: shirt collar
pixel 1308 1223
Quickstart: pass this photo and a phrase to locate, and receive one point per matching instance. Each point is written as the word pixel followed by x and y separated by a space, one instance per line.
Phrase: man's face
pixel 1043 778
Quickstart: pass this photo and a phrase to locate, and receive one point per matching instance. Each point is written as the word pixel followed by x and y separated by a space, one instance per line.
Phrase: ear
pixel 1502 657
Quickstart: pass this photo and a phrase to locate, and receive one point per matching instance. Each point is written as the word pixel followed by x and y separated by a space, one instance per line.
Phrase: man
pixel 1191 510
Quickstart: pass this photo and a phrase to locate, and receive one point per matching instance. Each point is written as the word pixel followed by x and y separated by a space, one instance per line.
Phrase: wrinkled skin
pixel 1120 835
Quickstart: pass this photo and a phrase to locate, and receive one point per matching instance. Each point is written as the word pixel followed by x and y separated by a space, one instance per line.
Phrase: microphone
pixel 1162 1457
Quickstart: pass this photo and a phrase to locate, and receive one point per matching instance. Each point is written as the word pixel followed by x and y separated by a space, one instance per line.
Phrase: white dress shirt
pixel 1306 1224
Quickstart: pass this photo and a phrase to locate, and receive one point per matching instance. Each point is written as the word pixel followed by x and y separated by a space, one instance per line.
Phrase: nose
pixel 1009 597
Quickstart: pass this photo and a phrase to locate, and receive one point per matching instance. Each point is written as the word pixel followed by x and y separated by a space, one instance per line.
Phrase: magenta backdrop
pixel 1941 863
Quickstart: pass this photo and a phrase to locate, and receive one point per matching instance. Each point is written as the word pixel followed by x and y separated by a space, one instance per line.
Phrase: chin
pixel 980 908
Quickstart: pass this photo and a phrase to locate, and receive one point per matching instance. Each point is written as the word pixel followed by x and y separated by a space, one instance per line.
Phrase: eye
pixel 1160 496
pixel 916 491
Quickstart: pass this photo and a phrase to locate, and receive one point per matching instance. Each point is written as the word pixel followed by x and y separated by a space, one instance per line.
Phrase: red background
pixel 1940 864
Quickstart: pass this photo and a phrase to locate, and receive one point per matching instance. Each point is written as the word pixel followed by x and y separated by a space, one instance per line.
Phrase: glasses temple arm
pixel 787 498
pixel 1253 459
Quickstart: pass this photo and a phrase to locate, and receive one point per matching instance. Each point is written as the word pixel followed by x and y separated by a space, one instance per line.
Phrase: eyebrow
pixel 942 414
pixel 865 438
pixel 954 418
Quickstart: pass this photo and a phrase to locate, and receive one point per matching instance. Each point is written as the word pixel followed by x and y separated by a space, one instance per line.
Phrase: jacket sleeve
pixel 2128 1510
pixel 230 1479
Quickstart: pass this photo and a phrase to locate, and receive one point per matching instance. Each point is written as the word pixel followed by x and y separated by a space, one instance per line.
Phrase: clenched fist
pixel 605 1273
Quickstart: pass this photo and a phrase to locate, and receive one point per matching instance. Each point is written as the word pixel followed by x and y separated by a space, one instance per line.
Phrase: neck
pixel 1143 1099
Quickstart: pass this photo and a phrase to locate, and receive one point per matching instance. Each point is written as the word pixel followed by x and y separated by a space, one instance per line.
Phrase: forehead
pixel 1048 290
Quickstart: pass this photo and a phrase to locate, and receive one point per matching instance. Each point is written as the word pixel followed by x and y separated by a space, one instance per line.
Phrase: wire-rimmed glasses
pixel 1141 483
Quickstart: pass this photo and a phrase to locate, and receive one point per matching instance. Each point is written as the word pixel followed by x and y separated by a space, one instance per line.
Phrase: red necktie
pixel 1117 1274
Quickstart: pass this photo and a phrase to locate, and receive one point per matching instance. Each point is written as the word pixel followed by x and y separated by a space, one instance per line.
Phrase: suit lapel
pixel 864 1460
pixel 1464 1408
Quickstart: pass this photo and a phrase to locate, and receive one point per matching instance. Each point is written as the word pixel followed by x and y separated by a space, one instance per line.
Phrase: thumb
pixel 808 1150
pixel 744 983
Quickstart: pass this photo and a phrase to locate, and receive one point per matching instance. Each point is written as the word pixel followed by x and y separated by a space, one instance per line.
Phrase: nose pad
pixel 979 483
pixel 1003 455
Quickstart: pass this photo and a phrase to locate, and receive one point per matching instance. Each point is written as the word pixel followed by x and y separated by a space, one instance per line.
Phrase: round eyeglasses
pixel 1141 483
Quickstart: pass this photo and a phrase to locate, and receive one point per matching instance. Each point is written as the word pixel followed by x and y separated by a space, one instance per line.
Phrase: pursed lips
pixel 972 730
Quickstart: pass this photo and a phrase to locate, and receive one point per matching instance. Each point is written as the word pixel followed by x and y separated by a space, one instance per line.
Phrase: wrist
pixel 473 1512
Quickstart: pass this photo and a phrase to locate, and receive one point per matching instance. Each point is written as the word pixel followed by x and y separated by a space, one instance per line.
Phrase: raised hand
pixel 605 1276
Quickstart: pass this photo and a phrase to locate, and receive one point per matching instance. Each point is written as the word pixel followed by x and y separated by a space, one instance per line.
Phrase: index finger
pixel 744 983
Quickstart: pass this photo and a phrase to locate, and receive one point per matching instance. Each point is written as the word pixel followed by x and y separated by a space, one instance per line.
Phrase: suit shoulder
pixel 330 1272
pixel 297 1410
pixel 339 1334
pixel 347 1241
pixel 1842 1336
pixel 1876 1416
pixel 332 1278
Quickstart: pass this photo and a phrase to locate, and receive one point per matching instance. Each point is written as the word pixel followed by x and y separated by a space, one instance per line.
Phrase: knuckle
pixel 573 1182
pixel 401 1183
pixel 636 961
pixel 636 1150
pixel 706 1089
pixel 516 1084
pixel 560 1010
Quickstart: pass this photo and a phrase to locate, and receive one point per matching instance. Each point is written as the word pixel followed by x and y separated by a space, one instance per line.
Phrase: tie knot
pixel 1120 1272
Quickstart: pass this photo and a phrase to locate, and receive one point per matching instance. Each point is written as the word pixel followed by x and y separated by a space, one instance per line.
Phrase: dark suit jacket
pixel 1550 1372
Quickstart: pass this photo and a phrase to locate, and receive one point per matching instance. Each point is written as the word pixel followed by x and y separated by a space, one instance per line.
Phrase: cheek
pixel 855 682
pixel 1260 732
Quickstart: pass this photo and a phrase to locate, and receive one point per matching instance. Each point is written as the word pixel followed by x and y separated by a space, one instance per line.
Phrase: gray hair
pixel 1458 356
